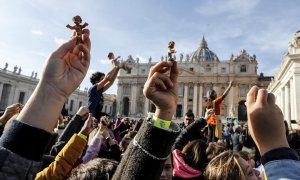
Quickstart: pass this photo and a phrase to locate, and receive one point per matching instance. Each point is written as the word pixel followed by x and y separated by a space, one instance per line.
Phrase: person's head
pixel 171 44
pixel 126 121
pixel 104 120
pixel 229 165
pixel 95 122
pixel 213 149
pixel 96 77
pixel 194 153
pixel 246 156
pixel 77 19
pixel 188 118
pixel 212 94
pixel 98 168
pixel 167 173
pixel 111 55
pixel 125 142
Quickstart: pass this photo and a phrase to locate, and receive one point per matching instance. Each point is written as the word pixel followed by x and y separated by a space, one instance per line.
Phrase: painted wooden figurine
pixel 78 27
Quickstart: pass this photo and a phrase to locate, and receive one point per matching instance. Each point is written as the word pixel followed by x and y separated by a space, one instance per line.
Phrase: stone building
pixel 198 72
pixel 16 87
pixel 286 82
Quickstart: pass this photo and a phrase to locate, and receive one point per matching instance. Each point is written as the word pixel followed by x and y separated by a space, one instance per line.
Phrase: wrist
pixel 165 114
pixel 45 117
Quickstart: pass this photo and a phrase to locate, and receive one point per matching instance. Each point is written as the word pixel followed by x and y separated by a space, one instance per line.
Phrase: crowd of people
pixel 93 146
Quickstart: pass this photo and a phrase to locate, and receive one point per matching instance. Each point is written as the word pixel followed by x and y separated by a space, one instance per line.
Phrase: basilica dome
pixel 203 54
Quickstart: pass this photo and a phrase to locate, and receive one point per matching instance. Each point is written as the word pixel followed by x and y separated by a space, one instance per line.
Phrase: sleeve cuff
pixel 25 140
pixel 279 154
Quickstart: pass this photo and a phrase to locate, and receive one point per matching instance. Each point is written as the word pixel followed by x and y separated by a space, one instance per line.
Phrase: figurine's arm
pixel 84 25
pixel 70 27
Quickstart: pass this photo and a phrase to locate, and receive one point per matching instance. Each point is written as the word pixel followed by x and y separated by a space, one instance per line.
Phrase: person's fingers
pixel 159 84
pixel 62 50
pixel 86 38
pixel 166 80
pixel 262 96
pixel 251 96
pixel 159 66
pixel 271 98
pixel 174 72
pixel 85 60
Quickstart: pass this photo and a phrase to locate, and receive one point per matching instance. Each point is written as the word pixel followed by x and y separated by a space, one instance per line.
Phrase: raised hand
pixel 63 72
pixel 67 66
pixel 83 111
pixel 161 88
pixel 265 120
pixel 87 128
pixel 10 111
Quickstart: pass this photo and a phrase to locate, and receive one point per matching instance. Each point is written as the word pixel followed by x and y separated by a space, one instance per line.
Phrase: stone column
pixel 292 96
pixel 287 109
pixel 282 100
pixel 200 102
pixel 195 99
pixel 133 99
pixel 119 99
pixel 296 79
pixel 185 97
pixel 1 88
pixel 146 106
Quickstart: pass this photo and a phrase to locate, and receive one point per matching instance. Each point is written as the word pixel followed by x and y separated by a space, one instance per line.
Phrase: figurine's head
pixel 171 44
pixel 77 19
pixel 111 55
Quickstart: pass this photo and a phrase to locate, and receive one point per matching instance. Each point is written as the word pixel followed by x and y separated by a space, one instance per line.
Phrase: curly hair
pixel 75 17
pixel 98 168
pixel 225 166
pixel 95 77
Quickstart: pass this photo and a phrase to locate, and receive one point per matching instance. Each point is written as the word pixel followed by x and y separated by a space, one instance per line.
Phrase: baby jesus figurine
pixel 171 51
pixel 116 63
pixel 78 27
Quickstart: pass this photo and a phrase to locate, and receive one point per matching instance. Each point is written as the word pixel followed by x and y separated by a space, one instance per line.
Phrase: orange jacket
pixel 65 160
pixel 217 107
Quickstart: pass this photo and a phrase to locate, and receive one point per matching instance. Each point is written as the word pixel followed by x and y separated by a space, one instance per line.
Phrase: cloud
pixel 104 61
pixel 233 7
pixel 37 32
pixel 59 41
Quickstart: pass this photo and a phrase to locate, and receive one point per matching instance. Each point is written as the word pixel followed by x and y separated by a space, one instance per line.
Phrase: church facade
pixel 285 85
pixel 198 72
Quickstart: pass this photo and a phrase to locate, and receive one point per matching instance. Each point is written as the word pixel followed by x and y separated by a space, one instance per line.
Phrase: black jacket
pixel 137 163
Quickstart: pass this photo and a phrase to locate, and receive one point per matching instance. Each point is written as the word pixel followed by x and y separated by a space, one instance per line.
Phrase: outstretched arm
pixel 108 80
pixel 227 90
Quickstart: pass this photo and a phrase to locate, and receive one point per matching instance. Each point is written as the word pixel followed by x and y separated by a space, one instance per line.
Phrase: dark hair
pixel 190 114
pixel 95 77
pixel 98 168
pixel 194 153
pixel 213 149
pixel 211 94
pixel 244 155
pixel 110 54
pixel 75 17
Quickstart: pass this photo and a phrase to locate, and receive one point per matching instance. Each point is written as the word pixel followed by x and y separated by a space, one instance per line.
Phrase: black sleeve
pixel 25 140
pixel 73 127
pixel 278 154
pixel 147 152
pixel 193 131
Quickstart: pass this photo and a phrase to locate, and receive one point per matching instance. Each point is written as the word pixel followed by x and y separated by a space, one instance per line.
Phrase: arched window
pixel 242 111
pixel 125 106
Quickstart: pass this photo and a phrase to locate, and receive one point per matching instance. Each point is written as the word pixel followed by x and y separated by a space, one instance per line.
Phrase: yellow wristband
pixel 160 123
pixel 82 136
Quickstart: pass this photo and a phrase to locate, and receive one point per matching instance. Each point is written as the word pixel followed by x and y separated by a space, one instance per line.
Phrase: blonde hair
pixel 225 166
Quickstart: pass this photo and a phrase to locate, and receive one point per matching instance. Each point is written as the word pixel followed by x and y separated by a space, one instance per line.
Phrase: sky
pixel 32 29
